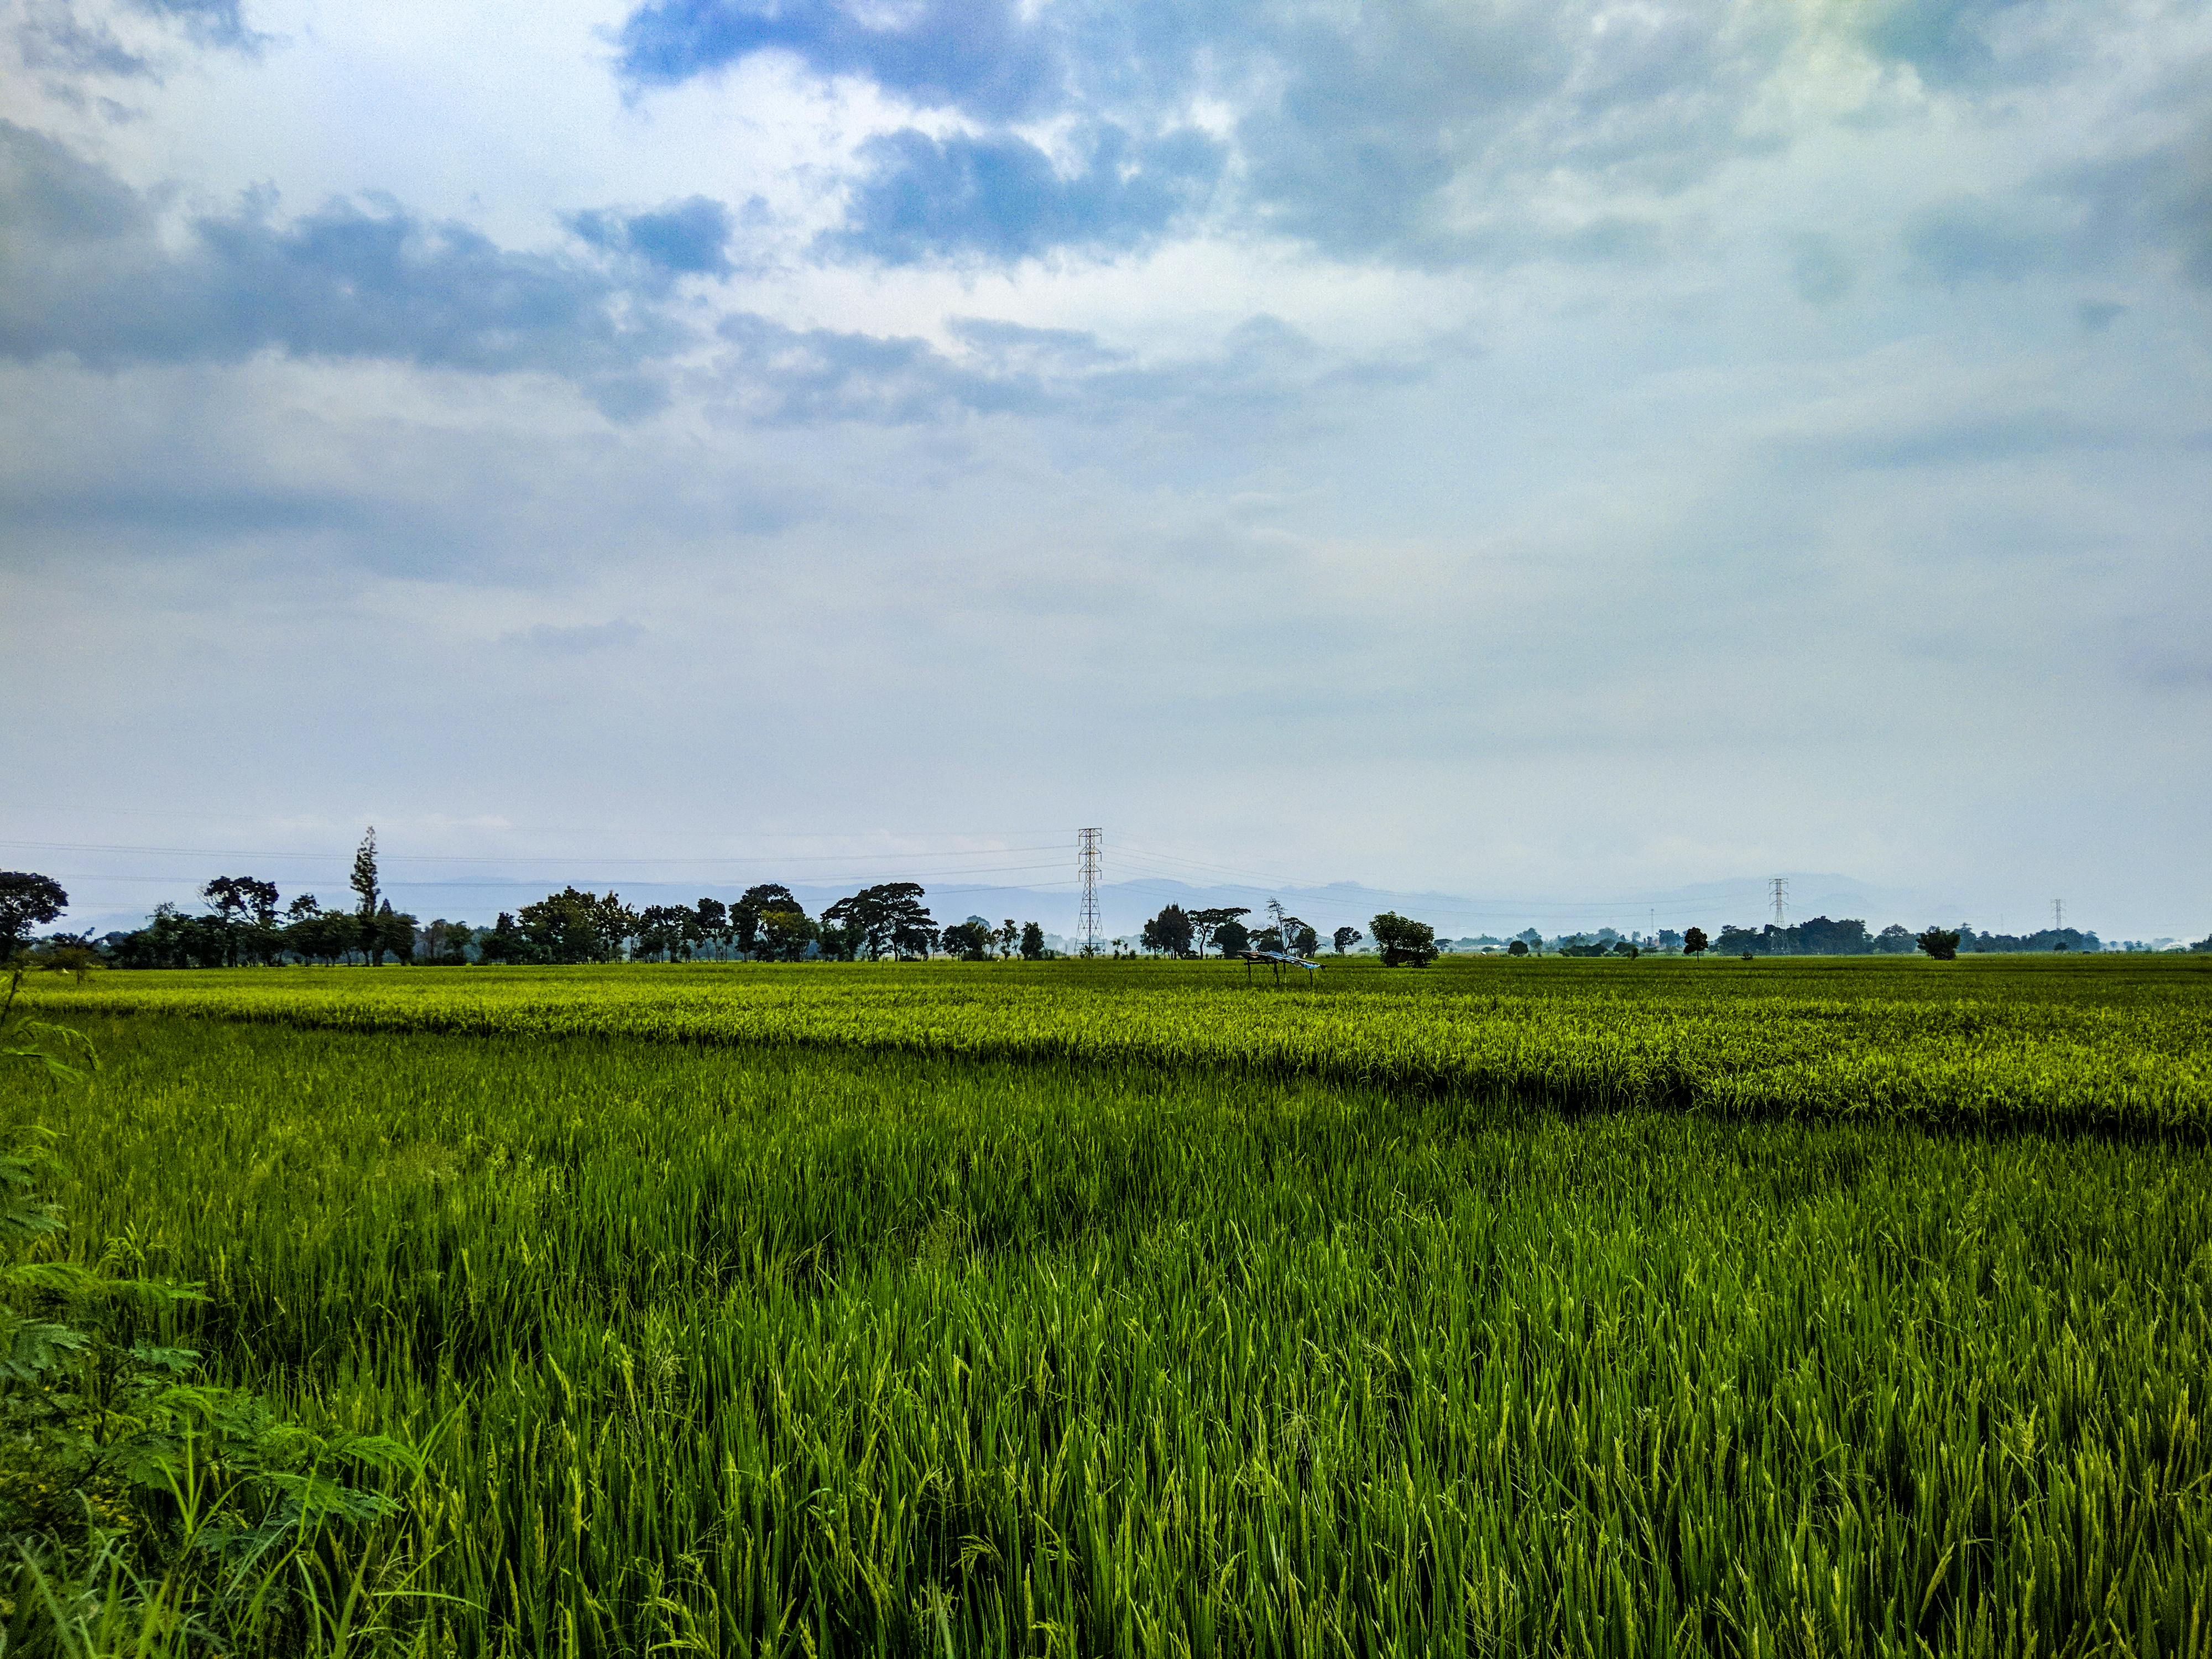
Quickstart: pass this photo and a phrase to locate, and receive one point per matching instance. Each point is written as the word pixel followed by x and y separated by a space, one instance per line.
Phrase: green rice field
pixel 1819 1307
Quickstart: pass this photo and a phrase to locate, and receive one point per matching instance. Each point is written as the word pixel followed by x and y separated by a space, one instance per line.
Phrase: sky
pixel 1571 450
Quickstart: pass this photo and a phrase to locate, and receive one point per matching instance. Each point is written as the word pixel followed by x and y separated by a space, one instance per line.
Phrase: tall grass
pixel 790 1349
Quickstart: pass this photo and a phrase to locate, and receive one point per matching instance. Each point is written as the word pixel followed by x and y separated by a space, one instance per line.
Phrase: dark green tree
pixel 1231 937
pixel 785 934
pixel 709 925
pixel 573 925
pixel 1032 942
pixel 1344 938
pixel 395 932
pixel 1206 924
pixel 970 941
pixel 1940 943
pixel 246 908
pixel 365 887
pixel 1694 941
pixel 1170 931
pixel 751 905
pixel 661 931
pixel 1403 942
pixel 889 916
pixel 504 943
pixel 26 901
pixel 446 944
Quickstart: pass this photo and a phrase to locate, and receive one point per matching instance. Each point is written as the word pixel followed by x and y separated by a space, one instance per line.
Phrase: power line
pixel 504 825
pixel 848 858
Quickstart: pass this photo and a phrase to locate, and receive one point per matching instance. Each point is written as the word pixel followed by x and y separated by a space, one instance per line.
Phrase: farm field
pixel 1648 1308
pixel 2119 1043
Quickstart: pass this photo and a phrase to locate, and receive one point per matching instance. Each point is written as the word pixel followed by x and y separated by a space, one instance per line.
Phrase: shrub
pixel 1941 943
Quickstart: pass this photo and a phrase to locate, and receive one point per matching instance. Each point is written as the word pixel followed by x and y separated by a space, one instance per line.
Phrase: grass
pixel 977 1311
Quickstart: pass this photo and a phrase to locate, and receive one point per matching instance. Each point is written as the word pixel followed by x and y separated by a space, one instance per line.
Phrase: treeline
pixel 245 924
pixel 768 923
pixel 1851 938
pixel 1176 932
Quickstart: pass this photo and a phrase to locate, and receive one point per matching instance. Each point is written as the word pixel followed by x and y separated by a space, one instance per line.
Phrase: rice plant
pixel 851 1310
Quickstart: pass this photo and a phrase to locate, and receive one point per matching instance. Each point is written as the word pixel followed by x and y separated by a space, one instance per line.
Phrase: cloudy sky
pixel 1566 447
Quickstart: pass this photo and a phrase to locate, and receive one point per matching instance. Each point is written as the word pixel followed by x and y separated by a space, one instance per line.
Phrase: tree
pixel 709 924
pixel 661 929
pixel 395 932
pixel 970 941
pixel 314 934
pixel 1207 924
pixel 1518 947
pixel 67 953
pixel 1694 941
pixel 889 916
pixel 837 941
pixel 1032 942
pixel 1231 937
pixel 1531 939
pixel 1893 941
pixel 1170 931
pixel 1403 942
pixel 246 908
pixel 1940 943
pixel 1621 947
pixel 1009 935
pixel 506 942
pixel 1344 938
pixel 1287 934
pixel 446 944
pixel 785 934
pixel 755 902
pixel 364 885
pixel 26 901
pixel 572 925
pixel 239 900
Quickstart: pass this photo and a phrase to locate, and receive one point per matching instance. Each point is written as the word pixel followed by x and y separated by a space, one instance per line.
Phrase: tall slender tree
pixel 364 884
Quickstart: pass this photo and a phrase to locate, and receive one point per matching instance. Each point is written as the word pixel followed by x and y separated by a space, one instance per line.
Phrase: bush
pixel 1941 943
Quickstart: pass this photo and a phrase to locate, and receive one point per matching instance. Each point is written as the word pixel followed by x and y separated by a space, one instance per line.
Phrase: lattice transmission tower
pixel 1086 869
pixel 1779 890
pixel 2058 915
